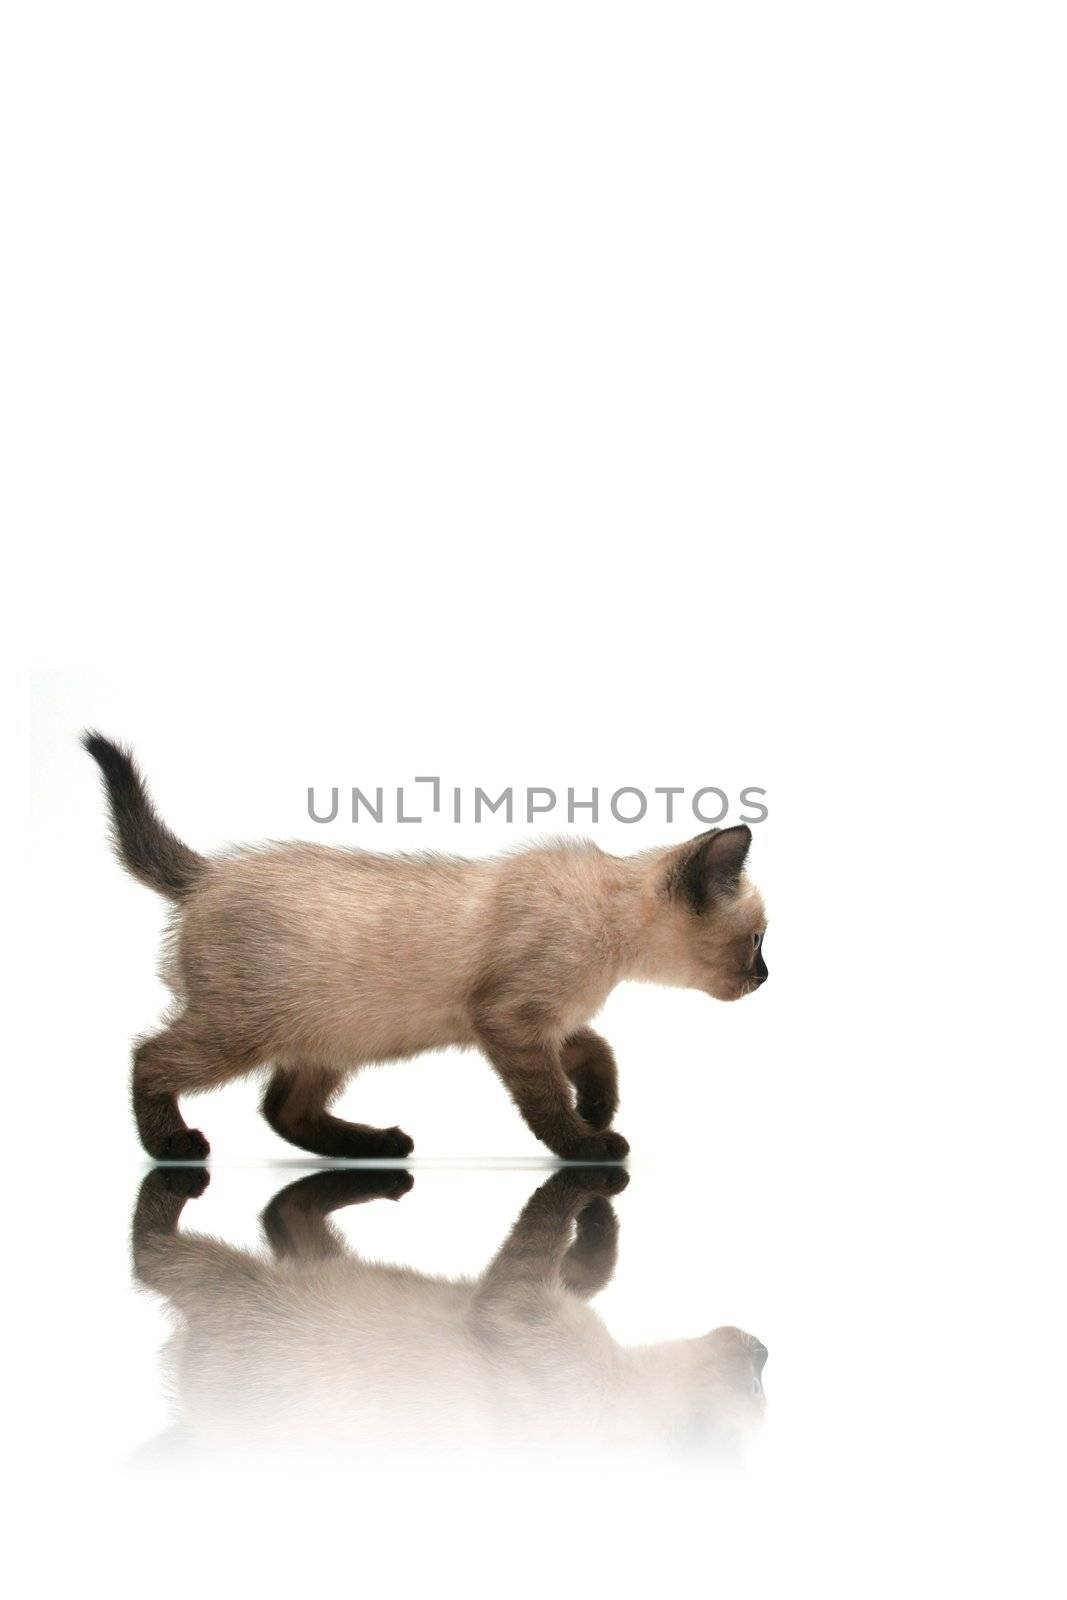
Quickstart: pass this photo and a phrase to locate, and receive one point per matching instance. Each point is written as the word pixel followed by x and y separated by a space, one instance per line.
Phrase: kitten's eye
pixel 757 940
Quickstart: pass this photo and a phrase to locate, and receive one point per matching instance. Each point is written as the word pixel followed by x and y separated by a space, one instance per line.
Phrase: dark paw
pixel 340 1186
pixel 393 1142
pixel 188 1183
pixel 600 1181
pixel 597 1147
pixel 370 1183
pixel 596 1109
pixel 396 1184
pixel 596 1222
pixel 188 1144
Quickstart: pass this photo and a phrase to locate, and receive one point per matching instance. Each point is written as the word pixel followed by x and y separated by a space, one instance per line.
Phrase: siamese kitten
pixel 319 1348
pixel 318 961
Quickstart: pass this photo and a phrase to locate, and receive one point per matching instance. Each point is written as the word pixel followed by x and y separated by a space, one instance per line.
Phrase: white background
pixel 567 395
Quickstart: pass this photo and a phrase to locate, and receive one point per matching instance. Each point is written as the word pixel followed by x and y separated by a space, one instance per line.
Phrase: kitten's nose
pixel 759 1357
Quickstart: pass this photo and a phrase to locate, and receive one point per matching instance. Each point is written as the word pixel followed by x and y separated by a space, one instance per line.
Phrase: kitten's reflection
pixel 317 1347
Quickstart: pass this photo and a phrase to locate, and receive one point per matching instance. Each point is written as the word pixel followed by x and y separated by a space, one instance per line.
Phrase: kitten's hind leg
pixel 295 1102
pixel 187 1056
pixel 589 1062
pixel 295 1222
pixel 160 1201
pixel 201 1277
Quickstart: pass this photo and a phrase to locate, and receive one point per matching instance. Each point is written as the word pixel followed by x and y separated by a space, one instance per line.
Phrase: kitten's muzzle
pixel 760 973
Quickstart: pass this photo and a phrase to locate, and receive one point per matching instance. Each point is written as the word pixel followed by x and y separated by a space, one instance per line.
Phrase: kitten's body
pixel 320 1347
pixel 319 960
pixel 351 957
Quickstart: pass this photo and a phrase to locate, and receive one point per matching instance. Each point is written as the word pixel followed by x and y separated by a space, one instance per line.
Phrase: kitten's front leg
pixel 590 1262
pixel 533 1075
pixel 589 1062
pixel 535 1259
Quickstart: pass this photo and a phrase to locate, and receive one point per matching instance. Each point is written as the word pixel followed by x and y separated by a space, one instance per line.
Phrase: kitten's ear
pixel 711 865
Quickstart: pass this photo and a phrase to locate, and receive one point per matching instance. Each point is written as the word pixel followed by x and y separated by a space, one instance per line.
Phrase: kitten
pixel 319 1348
pixel 319 960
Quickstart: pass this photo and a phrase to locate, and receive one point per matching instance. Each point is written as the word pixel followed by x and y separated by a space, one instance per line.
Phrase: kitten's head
pixel 702 1397
pixel 717 921
pixel 726 1400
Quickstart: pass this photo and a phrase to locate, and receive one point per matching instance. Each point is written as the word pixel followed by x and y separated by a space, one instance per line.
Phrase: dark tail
pixel 144 845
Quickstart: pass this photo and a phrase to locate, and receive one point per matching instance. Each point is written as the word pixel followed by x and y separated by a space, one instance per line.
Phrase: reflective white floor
pixel 506 1372
pixel 308 1344
pixel 509 1378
